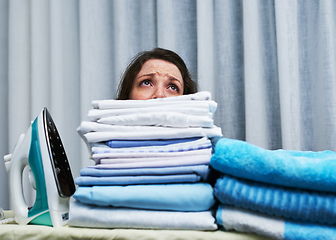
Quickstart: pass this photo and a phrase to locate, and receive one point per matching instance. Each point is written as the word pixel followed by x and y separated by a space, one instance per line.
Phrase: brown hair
pixel 136 64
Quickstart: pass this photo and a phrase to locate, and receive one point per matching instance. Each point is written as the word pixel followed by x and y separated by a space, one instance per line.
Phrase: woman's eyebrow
pixel 147 75
pixel 174 78
pixel 171 77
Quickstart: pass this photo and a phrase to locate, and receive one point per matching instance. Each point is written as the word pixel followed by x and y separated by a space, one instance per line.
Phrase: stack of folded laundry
pixel 280 194
pixel 151 164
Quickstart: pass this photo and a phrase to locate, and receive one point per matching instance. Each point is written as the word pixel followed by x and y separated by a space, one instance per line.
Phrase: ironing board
pixel 35 232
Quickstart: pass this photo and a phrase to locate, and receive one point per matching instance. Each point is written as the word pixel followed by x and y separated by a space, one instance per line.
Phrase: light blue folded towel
pixel 274 200
pixel 300 169
pixel 176 197
pixel 232 218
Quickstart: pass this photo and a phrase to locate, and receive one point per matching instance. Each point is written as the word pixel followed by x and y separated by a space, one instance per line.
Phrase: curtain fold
pixel 4 145
pixel 262 114
pixel 270 65
pixel 229 68
pixel 177 30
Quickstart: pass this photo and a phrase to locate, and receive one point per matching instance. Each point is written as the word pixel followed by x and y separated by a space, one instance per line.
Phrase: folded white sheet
pixel 165 157
pixel 163 119
pixel 206 152
pixel 108 104
pixel 173 162
pixel 201 109
pixel 82 215
pixel 155 133
pixel 150 159
pixel 167 132
pixel 87 126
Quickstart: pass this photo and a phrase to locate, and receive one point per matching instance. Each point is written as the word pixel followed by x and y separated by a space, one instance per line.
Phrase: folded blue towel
pixel 290 203
pixel 301 169
pixel 240 220
pixel 176 197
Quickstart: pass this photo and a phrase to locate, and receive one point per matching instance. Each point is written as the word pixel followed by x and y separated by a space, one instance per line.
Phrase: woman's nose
pixel 159 92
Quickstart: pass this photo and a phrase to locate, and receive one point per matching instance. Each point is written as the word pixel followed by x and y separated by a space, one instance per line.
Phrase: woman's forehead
pixel 161 68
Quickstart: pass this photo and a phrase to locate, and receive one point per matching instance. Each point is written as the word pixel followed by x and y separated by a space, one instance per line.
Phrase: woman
pixel 158 73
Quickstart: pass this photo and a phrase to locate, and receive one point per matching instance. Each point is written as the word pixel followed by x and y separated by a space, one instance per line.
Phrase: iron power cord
pixel 4 220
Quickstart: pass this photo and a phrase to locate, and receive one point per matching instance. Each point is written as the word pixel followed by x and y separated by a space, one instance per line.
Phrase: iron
pixel 41 150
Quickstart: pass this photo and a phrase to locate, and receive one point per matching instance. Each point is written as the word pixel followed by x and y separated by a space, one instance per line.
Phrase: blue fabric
pixel 301 230
pixel 176 197
pixel 308 170
pixel 145 143
pixel 201 170
pixel 290 203
pixel 129 180
pixel 241 220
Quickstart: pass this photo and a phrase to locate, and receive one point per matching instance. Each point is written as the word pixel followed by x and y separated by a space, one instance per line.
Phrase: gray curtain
pixel 269 64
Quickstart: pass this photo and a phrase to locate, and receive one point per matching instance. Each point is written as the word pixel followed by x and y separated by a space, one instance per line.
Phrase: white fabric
pixel 88 127
pixel 236 219
pixel 145 154
pixel 143 159
pixel 202 109
pixel 170 101
pixel 160 133
pixel 150 158
pixel 131 104
pixel 82 215
pixel 164 119
pixel 200 160
pixel 268 64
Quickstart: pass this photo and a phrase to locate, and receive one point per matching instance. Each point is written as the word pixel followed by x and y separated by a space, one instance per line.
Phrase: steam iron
pixel 41 149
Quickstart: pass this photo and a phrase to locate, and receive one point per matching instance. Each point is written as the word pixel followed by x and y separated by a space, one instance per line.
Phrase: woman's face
pixel 157 79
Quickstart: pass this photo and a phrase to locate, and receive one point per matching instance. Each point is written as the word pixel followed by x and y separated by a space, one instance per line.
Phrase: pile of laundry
pixel 280 194
pixel 151 164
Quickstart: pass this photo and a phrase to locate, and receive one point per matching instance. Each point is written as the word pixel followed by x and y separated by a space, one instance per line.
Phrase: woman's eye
pixel 174 88
pixel 145 82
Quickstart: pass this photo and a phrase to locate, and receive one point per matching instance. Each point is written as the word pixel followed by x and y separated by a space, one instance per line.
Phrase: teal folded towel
pixel 300 169
pixel 274 200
